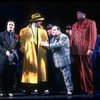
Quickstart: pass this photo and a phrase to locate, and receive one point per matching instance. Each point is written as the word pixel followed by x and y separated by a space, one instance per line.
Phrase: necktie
pixel 35 33
pixel 11 37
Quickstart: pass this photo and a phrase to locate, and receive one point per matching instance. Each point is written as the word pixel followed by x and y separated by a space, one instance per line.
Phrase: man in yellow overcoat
pixel 34 61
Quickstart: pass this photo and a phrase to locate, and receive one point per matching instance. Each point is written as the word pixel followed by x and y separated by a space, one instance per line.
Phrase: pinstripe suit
pixel 83 40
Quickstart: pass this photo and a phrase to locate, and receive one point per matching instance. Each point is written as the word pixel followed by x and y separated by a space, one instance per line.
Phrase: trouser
pixel 66 71
pixel 83 75
pixel 9 78
pixel 1 77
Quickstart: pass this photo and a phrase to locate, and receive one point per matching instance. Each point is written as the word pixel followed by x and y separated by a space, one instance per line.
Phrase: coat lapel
pixel 7 37
pixel 78 30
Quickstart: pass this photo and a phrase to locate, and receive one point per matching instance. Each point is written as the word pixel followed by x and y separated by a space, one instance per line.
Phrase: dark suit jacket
pixel 96 54
pixel 6 45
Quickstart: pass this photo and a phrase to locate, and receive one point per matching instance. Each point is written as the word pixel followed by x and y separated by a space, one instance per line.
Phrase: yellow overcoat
pixel 34 62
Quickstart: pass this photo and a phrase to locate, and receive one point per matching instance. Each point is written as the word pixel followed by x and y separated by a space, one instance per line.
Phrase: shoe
pixel 10 94
pixel 90 93
pixel 36 91
pixel 46 92
pixel 1 94
pixel 69 93
pixel 23 91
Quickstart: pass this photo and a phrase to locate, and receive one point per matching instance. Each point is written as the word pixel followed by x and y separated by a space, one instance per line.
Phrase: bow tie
pixel 56 38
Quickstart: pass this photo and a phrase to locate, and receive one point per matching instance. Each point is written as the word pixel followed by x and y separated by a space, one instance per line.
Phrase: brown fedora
pixel 36 17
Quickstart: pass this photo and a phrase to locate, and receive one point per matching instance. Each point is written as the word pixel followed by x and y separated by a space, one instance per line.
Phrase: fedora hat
pixel 49 26
pixel 68 27
pixel 36 17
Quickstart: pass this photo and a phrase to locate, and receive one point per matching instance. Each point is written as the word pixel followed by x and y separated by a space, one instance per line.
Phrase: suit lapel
pixel 57 38
pixel 7 37
pixel 78 31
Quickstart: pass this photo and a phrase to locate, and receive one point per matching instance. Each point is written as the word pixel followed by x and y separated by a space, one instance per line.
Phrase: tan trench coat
pixel 34 62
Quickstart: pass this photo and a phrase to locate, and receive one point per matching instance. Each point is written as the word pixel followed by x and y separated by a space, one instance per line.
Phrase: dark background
pixel 60 13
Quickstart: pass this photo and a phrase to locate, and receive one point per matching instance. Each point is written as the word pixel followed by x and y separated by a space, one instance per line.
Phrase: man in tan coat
pixel 34 61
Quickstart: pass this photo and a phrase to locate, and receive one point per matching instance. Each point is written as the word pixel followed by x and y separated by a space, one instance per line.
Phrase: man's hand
pixel 11 57
pixel 7 53
pixel 44 44
pixel 89 52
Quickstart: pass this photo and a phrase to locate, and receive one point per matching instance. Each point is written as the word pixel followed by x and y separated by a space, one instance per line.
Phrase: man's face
pixel 49 31
pixel 80 15
pixel 55 31
pixel 10 26
pixel 69 31
pixel 38 23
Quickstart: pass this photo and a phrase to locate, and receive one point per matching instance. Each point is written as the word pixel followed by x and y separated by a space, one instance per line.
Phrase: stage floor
pixel 96 95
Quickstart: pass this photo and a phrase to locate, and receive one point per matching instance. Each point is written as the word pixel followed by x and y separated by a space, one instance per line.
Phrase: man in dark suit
pixel 8 58
pixel 96 63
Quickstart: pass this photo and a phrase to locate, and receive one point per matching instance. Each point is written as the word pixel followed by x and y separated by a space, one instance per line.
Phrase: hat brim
pixel 38 19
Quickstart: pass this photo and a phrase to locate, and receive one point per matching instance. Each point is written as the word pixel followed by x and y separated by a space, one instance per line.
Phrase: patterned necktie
pixel 11 37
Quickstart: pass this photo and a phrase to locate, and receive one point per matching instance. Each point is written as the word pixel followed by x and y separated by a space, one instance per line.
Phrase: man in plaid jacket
pixel 61 56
